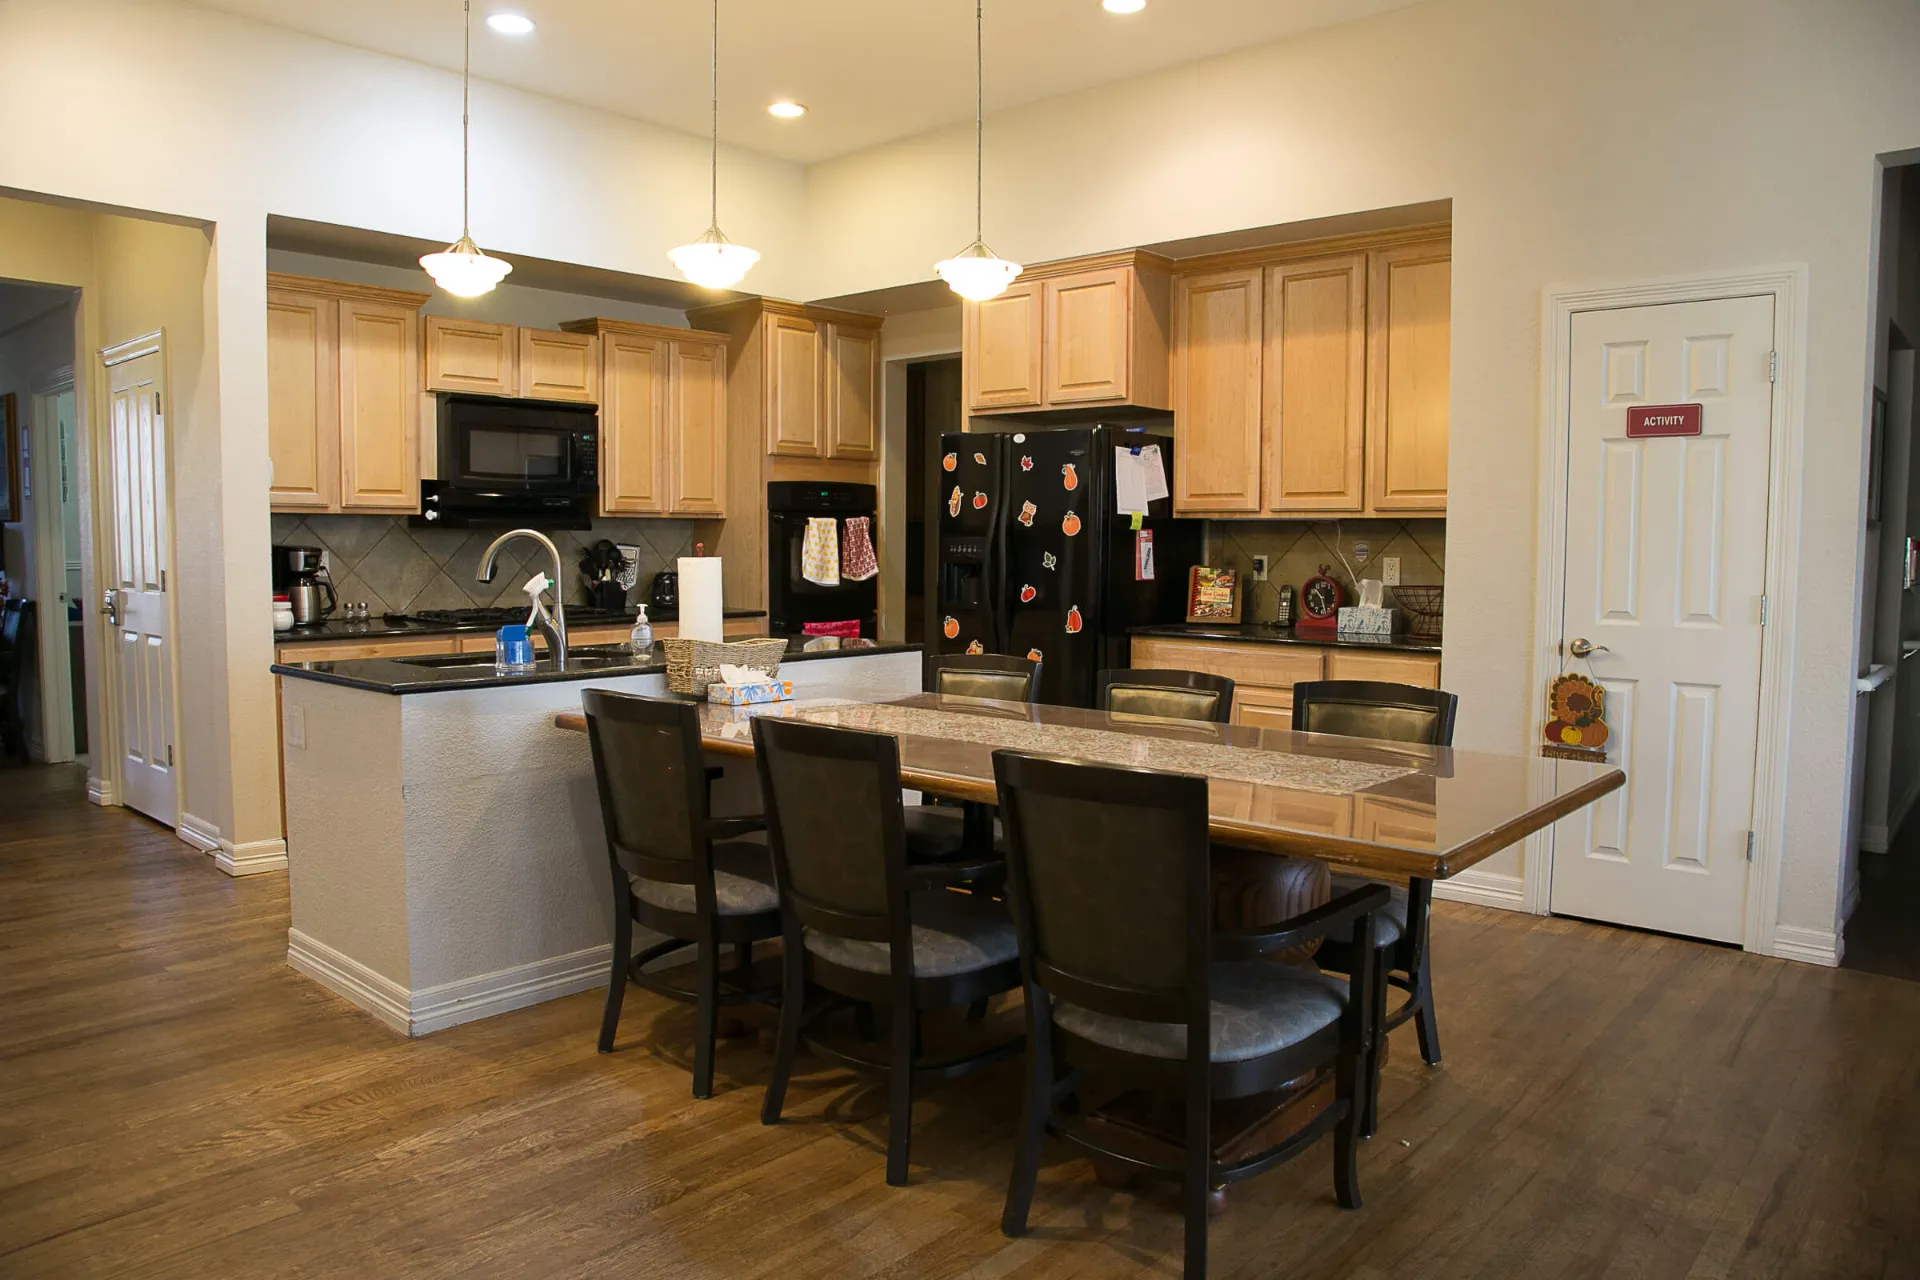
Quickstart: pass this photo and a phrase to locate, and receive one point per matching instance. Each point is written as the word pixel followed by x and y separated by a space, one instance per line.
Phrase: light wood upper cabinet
pixel 1216 393
pixel 1315 393
pixel 1091 331
pixel 1000 349
pixel 379 407
pixel 559 366
pixel 303 407
pixel 472 355
pixel 697 434
pixel 343 395
pixel 633 423
pixel 1408 348
pixel 795 401
pixel 852 384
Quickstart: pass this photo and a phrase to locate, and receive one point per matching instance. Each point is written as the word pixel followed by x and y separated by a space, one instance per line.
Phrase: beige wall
pixel 1583 144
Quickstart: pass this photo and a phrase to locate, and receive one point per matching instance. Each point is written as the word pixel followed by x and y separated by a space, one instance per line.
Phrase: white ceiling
pixel 868 70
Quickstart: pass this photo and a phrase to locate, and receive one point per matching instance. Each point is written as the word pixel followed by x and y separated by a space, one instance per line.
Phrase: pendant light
pixel 713 260
pixel 976 272
pixel 461 269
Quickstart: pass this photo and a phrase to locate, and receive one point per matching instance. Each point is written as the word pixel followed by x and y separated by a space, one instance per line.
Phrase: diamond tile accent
pixel 1298 548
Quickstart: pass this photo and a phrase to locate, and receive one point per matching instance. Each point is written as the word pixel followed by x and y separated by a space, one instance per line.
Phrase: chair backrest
pixel 1375 709
pixel 1171 695
pixel 983 675
pixel 1110 879
pixel 836 826
pixel 653 785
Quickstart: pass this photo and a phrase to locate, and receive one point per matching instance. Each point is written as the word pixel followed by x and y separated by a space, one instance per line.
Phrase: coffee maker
pixel 299 575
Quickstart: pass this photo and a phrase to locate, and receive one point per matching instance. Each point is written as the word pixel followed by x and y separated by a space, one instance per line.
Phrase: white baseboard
pixel 256 857
pixel 1812 946
pixel 1483 889
pixel 102 792
pixel 199 833
pixel 430 1009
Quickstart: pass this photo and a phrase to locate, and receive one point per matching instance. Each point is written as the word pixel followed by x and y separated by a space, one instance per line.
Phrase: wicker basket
pixel 692 665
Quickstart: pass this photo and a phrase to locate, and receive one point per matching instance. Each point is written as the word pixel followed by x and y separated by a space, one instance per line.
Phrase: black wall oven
pixel 793 600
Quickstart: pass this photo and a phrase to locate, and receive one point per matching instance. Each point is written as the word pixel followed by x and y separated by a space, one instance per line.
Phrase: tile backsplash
pixel 397 569
pixel 1299 547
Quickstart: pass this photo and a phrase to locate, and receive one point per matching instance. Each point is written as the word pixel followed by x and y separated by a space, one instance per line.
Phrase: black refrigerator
pixel 1035 559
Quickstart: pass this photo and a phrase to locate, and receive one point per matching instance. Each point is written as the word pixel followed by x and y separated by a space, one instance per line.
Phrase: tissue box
pixel 1358 622
pixel 745 695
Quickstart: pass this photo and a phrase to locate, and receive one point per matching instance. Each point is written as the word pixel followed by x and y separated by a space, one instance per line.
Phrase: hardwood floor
pixel 174 1101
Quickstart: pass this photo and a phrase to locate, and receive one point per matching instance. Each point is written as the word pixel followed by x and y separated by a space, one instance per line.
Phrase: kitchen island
pixel 444 845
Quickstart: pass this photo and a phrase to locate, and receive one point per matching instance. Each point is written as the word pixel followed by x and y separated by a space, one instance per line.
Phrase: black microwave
pixel 519 448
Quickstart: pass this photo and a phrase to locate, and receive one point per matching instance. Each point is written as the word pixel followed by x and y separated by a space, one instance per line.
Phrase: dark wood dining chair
pixel 860 923
pixel 1126 976
pixel 705 882
pixel 939 829
pixel 1169 694
pixel 1393 713
pixel 18 633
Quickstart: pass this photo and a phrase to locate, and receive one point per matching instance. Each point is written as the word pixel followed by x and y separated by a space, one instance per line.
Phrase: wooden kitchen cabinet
pixel 1089 331
pixel 663 414
pixel 1410 305
pixel 1314 394
pixel 1262 708
pixel 556 365
pixel 852 378
pixel 1391 666
pixel 343 396
pixel 1264 674
pixel 472 355
pixel 795 397
pixel 303 407
pixel 1216 393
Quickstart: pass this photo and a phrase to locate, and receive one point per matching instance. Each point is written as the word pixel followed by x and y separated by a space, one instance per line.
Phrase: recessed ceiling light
pixel 786 110
pixel 510 24
pixel 1123 6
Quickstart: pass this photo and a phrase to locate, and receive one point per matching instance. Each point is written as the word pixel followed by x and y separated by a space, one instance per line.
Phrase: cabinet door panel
pixel 1261 708
pixel 1001 350
pixel 472 355
pixel 1315 394
pixel 1419 669
pixel 853 372
pixel 697 432
pixel 379 407
pixel 1086 339
pixel 1216 393
pixel 1274 667
pixel 559 366
pixel 303 407
pixel 794 400
pixel 1409 344
pixel 633 425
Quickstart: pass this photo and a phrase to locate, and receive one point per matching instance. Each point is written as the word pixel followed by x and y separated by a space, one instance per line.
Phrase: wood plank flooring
pixel 174 1101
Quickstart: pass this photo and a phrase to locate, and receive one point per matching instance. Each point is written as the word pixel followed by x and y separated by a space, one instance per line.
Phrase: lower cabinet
pixel 1264 674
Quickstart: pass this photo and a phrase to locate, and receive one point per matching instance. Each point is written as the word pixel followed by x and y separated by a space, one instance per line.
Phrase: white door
pixel 140 657
pixel 1666 565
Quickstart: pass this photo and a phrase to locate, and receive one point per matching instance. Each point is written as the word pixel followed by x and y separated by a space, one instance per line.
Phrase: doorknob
pixel 110 606
pixel 1581 647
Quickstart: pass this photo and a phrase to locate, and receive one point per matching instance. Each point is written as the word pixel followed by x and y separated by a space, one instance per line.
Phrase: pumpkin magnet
pixel 1069 478
pixel 951 461
pixel 1073 621
pixel 950 628
pixel 1070 525
pixel 1033 655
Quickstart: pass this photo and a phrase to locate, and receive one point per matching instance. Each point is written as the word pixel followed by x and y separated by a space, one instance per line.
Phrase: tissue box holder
pixel 1357 622
pixel 692 665
pixel 743 695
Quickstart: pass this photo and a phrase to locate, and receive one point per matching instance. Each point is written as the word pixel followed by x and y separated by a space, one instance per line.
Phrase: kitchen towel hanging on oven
pixel 820 553
pixel 857 561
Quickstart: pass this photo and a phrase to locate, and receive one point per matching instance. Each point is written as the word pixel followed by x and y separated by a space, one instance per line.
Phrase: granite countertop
pixel 439 672
pixel 381 628
pixel 1261 633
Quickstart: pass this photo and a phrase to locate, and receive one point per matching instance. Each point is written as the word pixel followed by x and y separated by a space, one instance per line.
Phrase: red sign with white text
pixel 1652 421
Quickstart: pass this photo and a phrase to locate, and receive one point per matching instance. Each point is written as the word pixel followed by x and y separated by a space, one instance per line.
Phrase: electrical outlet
pixel 1390 570
pixel 1259 573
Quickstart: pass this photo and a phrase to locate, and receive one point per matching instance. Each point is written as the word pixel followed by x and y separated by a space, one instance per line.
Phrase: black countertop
pixel 1260 633
pixel 381 628
pixel 438 672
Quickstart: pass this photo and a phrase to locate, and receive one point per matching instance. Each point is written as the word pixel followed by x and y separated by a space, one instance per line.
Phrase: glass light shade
pixel 976 274
pixel 463 271
pixel 714 261
pixel 1123 6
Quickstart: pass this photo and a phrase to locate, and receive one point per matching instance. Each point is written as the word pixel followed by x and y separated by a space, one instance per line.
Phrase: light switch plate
pixel 1390 570
pixel 296 727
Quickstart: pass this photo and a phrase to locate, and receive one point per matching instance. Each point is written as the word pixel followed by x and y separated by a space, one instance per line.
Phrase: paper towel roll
pixel 700 615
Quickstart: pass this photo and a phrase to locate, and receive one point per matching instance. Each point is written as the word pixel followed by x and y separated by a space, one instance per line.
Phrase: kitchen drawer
pixel 350 650
pixel 1420 669
pixel 1258 707
pixel 1273 665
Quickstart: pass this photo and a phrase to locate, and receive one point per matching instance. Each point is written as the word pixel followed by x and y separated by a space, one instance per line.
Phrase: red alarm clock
pixel 1320 601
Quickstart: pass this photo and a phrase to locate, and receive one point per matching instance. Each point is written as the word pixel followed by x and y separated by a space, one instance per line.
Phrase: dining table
pixel 1394 811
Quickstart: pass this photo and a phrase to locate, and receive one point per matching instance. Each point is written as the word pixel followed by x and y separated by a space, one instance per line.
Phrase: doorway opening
pixel 933 409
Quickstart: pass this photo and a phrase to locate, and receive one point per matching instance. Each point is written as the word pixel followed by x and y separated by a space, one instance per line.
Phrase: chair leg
pixel 1376 1050
pixel 900 1093
pixel 1423 1022
pixel 1033 1131
pixel 617 974
pixel 706 1020
pixel 1196 1190
pixel 793 992
pixel 1346 1135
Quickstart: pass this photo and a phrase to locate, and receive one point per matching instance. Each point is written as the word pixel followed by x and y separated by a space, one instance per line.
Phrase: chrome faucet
pixel 553 624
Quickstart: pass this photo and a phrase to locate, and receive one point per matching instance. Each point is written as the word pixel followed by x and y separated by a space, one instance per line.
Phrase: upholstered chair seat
pixel 952 933
pixel 1259 1007
pixel 1391 921
pixel 742 882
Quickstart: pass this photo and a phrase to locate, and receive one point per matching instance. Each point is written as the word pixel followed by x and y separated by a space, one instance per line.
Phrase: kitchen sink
pixel 584 657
